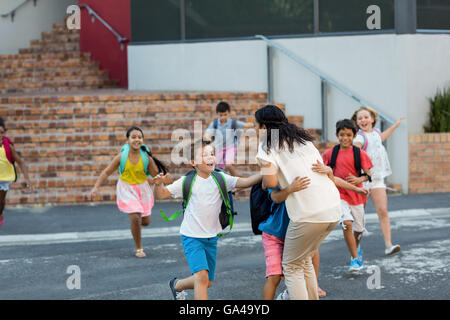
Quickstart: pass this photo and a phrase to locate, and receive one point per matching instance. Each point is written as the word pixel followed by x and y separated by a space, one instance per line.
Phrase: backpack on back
pixel 227 210
pixel 366 140
pixel 144 155
pixel 233 127
pixel 356 157
pixel 261 207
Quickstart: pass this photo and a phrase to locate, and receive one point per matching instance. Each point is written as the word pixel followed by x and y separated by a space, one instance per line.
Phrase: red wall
pixel 102 43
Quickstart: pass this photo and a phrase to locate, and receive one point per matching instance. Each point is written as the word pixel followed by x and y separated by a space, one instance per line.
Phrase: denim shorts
pixel 201 254
pixel 4 185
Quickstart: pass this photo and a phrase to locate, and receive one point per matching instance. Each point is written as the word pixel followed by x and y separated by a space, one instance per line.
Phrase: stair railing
pixel 12 13
pixel 325 81
pixel 94 15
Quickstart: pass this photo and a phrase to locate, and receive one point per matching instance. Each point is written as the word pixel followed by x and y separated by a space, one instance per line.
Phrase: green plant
pixel 439 112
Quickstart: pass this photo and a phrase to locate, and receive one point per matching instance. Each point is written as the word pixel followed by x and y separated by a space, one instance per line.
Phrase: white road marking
pixel 74 237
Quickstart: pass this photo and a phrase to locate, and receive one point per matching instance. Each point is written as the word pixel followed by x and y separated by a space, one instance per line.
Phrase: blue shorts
pixel 201 254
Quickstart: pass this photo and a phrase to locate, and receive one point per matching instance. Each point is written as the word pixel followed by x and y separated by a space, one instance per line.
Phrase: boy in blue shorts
pixel 200 225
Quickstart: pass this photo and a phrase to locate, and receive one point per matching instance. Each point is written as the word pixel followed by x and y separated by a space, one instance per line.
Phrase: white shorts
pixel 4 185
pixel 355 214
pixel 375 184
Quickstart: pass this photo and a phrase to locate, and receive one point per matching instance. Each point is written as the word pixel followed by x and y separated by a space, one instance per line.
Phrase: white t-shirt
pixel 377 154
pixel 201 218
pixel 320 202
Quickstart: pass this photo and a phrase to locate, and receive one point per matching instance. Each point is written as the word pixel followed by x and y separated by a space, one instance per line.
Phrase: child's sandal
pixel 140 253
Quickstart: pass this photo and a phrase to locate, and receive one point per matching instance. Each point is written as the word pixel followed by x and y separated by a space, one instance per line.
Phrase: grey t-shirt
pixel 224 137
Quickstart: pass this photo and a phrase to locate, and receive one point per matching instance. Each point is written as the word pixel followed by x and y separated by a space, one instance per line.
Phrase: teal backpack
pixel 227 210
pixel 144 155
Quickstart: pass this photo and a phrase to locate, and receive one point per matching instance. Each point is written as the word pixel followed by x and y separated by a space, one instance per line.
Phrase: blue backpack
pixel 144 155
pixel 261 206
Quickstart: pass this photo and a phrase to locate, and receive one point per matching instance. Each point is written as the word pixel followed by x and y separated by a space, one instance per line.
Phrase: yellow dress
pixel 6 168
pixel 134 173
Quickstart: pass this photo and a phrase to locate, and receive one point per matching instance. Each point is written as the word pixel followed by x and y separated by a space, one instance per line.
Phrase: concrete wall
pixel 395 73
pixel 29 22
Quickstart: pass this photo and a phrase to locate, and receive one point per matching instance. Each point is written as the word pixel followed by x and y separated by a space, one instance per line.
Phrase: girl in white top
pixel 371 140
pixel 313 212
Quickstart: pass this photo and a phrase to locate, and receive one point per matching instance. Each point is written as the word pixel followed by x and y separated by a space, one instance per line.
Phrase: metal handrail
pixel 324 77
pixel 94 15
pixel 12 13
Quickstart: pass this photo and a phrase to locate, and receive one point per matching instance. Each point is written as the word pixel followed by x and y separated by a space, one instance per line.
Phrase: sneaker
pixel 392 250
pixel 355 265
pixel 1 220
pixel 359 252
pixel 283 296
pixel 177 295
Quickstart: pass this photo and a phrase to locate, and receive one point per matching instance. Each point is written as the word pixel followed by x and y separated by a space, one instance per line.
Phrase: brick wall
pixel 429 163
pixel 67 140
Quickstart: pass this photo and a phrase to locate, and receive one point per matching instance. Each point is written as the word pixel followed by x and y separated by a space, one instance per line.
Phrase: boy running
pixel 200 225
pixel 344 165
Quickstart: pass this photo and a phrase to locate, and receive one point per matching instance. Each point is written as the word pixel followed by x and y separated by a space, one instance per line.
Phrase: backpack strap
pixel 215 124
pixel 334 155
pixel 377 131
pixel 188 182
pixel 234 127
pixel 144 155
pixel 218 177
pixel 365 143
pixel 357 160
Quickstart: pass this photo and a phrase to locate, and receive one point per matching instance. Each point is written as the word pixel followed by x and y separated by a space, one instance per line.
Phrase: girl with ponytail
pixel 134 196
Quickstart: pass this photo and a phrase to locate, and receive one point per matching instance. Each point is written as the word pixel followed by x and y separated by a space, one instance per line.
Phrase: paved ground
pixel 37 246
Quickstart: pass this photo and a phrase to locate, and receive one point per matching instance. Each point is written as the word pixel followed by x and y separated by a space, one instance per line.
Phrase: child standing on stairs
pixel 8 156
pixel 135 163
pixel 371 140
pixel 226 133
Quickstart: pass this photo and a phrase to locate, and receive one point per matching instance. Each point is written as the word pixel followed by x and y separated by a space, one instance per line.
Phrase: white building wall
pixel 395 73
pixel 29 22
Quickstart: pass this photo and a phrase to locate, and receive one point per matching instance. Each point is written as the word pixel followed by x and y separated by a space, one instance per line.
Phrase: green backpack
pixel 144 155
pixel 226 212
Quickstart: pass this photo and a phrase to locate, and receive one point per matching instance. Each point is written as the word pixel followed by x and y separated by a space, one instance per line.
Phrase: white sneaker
pixel 392 250
pixel 283 296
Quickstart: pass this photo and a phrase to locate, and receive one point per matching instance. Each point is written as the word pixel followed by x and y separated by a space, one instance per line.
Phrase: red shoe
pixel 1 220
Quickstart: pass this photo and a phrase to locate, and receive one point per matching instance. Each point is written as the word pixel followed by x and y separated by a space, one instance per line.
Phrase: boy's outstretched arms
pixel 161 192
pixel 346 185
pixel 249 181
pixel 299 183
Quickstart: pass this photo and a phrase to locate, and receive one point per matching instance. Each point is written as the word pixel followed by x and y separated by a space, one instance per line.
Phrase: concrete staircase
pixel 52 64
pixel 68 120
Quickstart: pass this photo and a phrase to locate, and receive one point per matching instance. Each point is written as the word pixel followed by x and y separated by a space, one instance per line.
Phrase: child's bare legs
pixel 146 221
pixel 358 237
pixel 199 282
pixel 350 238
pixel 270 287
pixel 2 203
pixel 316 264
pixel 135 225
pixel 379 199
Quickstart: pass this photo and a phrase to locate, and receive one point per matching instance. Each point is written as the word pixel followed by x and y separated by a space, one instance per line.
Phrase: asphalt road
pixel 38 247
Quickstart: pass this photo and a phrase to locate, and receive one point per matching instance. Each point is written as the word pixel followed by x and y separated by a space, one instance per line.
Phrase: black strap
pixel 356 158
pixel 187 186
pixel 221 181
pixel 334 156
